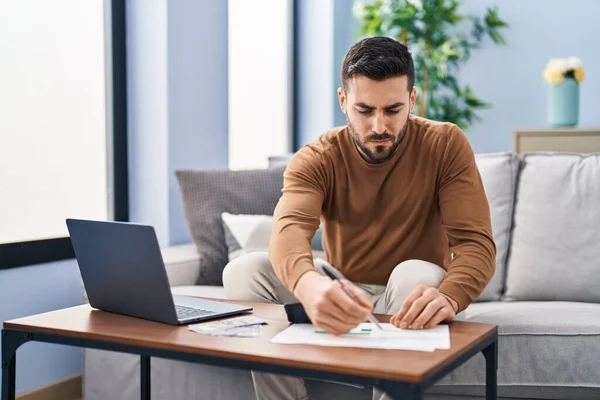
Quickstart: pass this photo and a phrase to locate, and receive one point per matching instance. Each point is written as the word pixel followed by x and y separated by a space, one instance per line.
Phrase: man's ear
pixel 413 98
pixel 342 99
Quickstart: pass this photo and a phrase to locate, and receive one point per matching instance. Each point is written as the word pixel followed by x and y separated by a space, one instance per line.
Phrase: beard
pixel 381 153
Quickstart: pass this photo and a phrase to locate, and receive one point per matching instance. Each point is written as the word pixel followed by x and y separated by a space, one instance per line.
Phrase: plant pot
pixel 563 104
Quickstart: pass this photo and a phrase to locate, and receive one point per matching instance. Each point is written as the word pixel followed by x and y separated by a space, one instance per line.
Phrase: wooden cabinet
pixel 573 140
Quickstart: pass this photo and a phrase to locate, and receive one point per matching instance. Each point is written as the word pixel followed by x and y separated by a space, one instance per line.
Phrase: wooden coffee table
pixel 401 374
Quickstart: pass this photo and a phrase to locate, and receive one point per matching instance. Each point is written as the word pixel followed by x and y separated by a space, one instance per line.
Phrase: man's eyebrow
pixel 395 105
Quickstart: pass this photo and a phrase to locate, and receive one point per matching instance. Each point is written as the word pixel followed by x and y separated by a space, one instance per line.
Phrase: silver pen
pixel 327 269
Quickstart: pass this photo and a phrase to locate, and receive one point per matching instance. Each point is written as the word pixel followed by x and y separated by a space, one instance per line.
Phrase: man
pixel 405 215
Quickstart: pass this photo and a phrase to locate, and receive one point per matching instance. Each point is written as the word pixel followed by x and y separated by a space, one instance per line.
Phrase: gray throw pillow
pixel 555 246
pixel 208 194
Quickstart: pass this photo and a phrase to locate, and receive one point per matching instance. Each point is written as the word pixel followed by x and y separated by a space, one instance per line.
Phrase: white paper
pixel 245 326
pixel 366 335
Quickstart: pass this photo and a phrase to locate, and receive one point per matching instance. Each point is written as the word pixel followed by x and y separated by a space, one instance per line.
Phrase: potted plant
pixel 563 76
pixel 440 40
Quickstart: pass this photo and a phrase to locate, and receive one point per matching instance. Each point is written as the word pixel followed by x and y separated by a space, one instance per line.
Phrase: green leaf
pixel 492 20
pixel 496 37
pixel 492 25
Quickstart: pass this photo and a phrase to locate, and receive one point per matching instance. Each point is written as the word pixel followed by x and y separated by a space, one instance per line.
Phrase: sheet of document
pixel 247 326
pixel 366 335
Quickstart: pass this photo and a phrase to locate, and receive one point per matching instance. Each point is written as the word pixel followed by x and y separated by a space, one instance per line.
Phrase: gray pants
pixel 251 278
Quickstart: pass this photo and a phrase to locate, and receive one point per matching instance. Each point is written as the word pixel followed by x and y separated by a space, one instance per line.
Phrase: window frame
pixel 295 139
pixel 19 254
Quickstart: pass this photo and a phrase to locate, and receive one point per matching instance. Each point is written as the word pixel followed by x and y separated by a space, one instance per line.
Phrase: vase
pixel 563 104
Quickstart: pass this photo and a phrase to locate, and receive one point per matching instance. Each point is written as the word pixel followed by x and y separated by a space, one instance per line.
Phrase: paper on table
pixel 366 335
pixel 247 326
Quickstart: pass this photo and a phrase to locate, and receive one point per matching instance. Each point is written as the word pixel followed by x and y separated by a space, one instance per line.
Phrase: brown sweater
pixel 427 202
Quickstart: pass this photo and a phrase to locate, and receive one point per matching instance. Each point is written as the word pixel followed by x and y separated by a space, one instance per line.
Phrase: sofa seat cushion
pixel 551 344
pixel 538 317
pixel 215 292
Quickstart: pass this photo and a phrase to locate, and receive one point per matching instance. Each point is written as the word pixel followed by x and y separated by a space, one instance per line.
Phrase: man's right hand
pixel 328 307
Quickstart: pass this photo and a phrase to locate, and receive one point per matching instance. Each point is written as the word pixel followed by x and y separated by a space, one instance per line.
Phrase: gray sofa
pixel 545 296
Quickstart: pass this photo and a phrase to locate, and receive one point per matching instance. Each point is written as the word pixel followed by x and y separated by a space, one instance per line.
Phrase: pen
pixel 328 270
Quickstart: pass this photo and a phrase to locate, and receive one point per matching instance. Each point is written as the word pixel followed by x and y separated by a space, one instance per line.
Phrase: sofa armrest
pixel 182 263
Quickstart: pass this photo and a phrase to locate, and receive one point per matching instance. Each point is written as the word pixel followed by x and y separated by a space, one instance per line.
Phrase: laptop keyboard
pixel 188 312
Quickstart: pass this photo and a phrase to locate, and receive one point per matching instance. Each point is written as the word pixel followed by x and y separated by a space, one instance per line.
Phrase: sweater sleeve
pixel 297 216
pixel 466 218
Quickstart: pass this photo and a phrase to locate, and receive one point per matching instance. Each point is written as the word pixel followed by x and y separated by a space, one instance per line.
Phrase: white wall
pixel 317 97
pixel 53 160
pixel 177 99
pixel 260 81
pixel 147 102
pixel 197 54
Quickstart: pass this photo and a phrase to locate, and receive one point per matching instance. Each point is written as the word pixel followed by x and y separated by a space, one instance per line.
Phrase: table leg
pixel 11 341
pixel 8 376
pixel 491 368
pixel 145 377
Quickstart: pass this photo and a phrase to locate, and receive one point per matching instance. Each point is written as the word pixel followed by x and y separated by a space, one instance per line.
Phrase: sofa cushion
pixel 554 318
pixel 208 194
pixel 554 392
pixel 499 175
pixel 182 264
pixel 249 233
pixel 555 251
pixel 540 344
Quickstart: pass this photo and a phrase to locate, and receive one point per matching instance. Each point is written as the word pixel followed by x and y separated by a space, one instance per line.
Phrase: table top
pixel 399 365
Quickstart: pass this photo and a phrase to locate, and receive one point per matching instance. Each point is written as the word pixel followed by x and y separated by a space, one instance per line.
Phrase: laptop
pixel 123 272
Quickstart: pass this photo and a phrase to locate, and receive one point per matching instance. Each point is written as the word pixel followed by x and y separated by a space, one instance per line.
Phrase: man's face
pixel 377 114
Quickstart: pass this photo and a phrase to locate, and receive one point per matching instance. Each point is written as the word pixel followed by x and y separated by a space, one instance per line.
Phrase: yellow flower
pixel 553 76
pixel 579 74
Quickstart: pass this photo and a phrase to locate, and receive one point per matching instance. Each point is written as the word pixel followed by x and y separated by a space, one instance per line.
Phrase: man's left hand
pixel 425 307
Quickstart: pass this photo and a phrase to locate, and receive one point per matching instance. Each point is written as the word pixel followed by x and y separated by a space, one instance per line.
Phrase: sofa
pixel 544 296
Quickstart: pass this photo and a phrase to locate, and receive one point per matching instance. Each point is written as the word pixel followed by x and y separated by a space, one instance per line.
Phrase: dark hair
pixel 378 58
